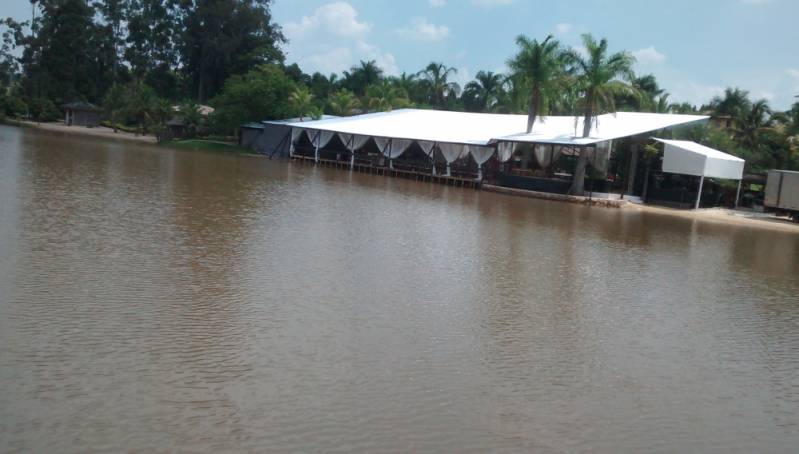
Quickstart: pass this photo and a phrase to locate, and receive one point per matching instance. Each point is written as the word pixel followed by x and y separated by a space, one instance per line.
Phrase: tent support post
pixel 352 151
pixel 738 193
pixel 316 146
pixel 480 172
pixel 699 193
pixel 449 174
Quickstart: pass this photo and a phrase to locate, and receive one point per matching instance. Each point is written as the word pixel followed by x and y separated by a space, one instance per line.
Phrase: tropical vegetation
pixel 144 60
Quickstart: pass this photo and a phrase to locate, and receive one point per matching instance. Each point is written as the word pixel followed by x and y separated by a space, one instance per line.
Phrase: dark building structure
pixel 81 113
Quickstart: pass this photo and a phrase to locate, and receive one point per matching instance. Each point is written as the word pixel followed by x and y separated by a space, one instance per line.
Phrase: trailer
pixel 782 192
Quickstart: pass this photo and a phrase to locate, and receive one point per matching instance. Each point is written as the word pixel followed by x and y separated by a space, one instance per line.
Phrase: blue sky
pixel 694 47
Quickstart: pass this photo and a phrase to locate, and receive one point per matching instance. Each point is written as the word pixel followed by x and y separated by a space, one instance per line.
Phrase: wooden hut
pixel 81 113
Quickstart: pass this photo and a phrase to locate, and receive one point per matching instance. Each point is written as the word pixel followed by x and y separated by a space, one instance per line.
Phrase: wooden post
pixel 699 194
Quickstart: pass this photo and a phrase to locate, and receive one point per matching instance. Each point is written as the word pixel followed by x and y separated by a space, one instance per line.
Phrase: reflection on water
pixel 154 299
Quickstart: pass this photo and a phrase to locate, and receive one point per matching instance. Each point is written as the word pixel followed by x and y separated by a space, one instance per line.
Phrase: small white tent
pixel 691 158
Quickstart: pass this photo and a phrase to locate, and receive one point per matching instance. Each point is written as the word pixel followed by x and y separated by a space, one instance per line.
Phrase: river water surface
pixel 153 299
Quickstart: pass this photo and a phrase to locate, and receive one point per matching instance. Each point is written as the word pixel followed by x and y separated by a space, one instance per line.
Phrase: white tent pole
pixel 390 151
pixel 699 194
pixel 316 146
pixel 449 174
pixel 479 172
pixel 432 157
pixel 291 143
pixel 738 193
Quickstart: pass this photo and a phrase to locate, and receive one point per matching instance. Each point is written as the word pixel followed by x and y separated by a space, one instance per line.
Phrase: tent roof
pixel 691 158
pixel 485 129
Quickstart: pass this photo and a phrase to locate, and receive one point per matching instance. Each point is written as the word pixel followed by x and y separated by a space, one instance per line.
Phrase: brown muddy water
pixel 156 300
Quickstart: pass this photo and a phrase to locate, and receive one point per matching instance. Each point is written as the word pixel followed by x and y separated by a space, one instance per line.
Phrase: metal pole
pixel 316 146
pixel 699 194
pixel 390 151
pixel 738 193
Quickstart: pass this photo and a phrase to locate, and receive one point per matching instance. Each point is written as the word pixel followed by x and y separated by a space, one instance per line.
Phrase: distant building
pixel 81 113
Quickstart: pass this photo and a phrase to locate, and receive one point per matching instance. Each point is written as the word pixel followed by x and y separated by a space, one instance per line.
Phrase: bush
pixel 13 106
pixel 43 109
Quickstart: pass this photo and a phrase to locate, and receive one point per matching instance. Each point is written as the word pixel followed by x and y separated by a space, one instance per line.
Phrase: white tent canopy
pixel 458 133
pixel 691 158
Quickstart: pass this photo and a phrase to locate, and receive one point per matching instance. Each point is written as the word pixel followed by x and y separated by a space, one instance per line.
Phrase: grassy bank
pixel 206 145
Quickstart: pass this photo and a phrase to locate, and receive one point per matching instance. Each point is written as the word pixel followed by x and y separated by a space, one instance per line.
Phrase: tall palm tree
pixel 598 77
pixel 410 84
pixel 733 104
pixel 485 91
pixel 752 122
pixel 538 64
pixel 343 102
pixel 358 78
pixel 436 77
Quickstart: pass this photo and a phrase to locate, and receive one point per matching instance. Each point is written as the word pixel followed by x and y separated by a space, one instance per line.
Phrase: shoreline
pixel 98 131
pixel 711 215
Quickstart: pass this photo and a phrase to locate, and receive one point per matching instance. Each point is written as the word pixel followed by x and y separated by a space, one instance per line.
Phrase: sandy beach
pixel 99 131
pixel 724 216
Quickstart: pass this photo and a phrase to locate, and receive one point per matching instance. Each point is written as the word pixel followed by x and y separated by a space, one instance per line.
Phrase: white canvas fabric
pixel 427 146
pixel 295 135
pixel 353 142
pixel 505 150
pixel 485 129
pixel 691 158
pixel 545 155
pixel 480 154
pixel 452 151
pixel 396 148
pixel 320 138
pixel 599 157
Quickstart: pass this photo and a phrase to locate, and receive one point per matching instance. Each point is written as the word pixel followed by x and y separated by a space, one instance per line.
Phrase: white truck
pixel 782 192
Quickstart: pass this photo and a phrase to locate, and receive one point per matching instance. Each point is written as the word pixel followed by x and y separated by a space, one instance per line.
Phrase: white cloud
pixel 491 3
pixel 437 3
pixel 794 73
pixel 332 39
pixel 649 56
pixel 338 18
pixel 563 28
pixel 422 30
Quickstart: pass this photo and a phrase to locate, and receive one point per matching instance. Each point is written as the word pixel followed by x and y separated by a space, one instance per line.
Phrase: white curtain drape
pixel 480 154
pixel 396 147
pixel 545 155
pixel 353 141
pixel 382 144
pixel 452 151
pixel 295 135
pixel 322 138
pixel 505 150
pixel 427 146
pixel 599 157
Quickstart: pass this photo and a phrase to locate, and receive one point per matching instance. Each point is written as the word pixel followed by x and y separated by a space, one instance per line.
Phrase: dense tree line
pixel 136 58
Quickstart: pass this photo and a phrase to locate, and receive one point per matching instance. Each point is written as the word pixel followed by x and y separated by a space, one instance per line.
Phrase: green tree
pixel 302 100
pixel 358 78
pixel 260 94
pixel 598 77
pixel 538 65
pixel 343 103
pixel 436 81
pixel 751 122
pixel 733 103
pixel 224 37
pixel 114 105
pixel 384 96
pixel 485 92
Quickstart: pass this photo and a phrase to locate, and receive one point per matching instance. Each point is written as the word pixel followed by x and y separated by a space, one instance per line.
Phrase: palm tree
pixel 302 101
pixel 436 77
pixel 538 64
pixel 485 91
pixel 360 77
pixel 384 96
pixel 343 102
pixel 752 122
pixel 598 76
pixel 410 84
pixel 733 104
